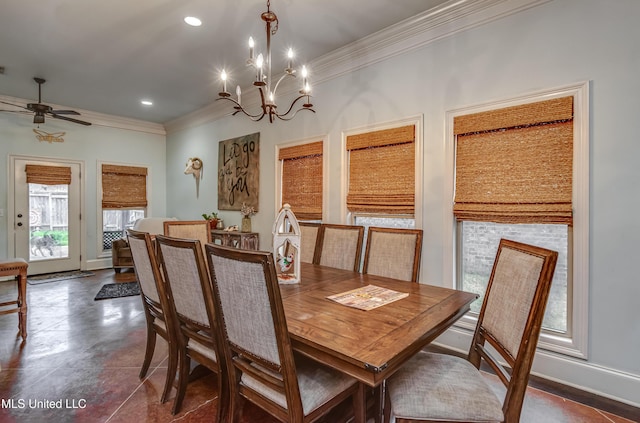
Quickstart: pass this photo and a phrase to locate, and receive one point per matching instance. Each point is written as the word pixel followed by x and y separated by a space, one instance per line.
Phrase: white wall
pixel 555 44
pixel 145 146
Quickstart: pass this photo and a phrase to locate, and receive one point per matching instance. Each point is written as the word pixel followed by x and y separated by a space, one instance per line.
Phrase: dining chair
pixel 393 253
pixel 308 237
pixel 155 304
pixel 444 388
pixel 189 229
pixel 189 292
pixel 339 246
pixel 260 362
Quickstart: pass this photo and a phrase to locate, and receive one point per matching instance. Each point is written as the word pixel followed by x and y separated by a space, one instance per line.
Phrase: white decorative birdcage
pixel 286 246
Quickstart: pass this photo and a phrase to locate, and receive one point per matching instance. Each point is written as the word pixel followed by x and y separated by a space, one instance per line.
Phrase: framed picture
pixel 239 172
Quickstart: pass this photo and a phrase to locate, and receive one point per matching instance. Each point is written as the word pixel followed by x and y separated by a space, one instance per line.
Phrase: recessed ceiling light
pixel 193 21
pixel 147 102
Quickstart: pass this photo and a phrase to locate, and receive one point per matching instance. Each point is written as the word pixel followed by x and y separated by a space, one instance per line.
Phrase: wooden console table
pixel 236 239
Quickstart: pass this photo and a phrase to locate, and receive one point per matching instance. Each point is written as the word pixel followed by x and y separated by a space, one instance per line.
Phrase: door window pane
pixel 48 221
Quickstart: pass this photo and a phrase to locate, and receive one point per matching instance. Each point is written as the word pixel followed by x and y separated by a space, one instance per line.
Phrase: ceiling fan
pixel 40 110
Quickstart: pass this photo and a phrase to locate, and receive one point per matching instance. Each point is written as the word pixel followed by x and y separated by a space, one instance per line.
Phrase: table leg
pixel 378 398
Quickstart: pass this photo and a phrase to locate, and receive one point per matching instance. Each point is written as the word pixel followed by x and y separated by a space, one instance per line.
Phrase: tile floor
pixel 81 360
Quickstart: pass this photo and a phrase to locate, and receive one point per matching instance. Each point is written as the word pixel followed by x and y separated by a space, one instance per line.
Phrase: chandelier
pixel 263 81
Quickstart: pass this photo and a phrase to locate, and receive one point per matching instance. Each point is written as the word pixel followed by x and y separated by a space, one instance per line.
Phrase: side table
pixel 236 239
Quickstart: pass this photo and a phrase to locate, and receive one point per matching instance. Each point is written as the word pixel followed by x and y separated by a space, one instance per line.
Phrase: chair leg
pixel 235 407
pixel 148 353
pixel 222 411
pixel 172 368
pixel 183 377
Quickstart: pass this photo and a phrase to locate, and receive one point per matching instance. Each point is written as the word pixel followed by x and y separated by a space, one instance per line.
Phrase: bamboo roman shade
pixel 123 187
pixel 382 171
pixel 302 179
pixel 514 165
pixel 48 175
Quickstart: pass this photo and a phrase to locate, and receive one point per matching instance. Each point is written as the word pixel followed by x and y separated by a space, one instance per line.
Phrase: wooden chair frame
pixel 317 258
pixel 238 360
pixel 188 329
pixel 155 311
pixel 517 378
pixel 417 254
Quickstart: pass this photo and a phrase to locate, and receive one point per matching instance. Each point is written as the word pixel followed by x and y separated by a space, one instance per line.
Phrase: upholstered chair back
pixel 308 237
pixel 339 246
pixel 393 253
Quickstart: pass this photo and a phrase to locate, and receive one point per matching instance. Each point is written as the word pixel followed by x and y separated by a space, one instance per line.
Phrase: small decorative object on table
pixel 212 218
pixel 246 212
pixel 286 246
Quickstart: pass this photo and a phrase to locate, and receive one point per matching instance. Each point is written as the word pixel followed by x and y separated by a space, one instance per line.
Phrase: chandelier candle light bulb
pixel 223 76
pixel 290 63
pixel 259 78
pixel 266 86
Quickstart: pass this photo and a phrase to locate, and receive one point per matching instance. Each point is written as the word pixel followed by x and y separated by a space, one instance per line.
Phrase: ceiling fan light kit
pixel 263 79
pixel 40 110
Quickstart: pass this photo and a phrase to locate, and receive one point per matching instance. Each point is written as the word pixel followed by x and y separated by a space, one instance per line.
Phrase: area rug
pixel 60 276
pixel 118 290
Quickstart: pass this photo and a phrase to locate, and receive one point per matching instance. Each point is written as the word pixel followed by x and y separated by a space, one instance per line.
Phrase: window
pixel 382 182
pixel 124 200
pixel 382 171
pixel 520 173
pixel 301 182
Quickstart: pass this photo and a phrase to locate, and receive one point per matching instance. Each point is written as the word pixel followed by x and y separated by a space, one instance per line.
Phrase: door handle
pixel 19 214
pixel 19 223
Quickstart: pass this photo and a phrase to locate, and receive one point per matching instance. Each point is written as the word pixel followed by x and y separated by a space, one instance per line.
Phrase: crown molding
pixel 99 119
pixel 445 20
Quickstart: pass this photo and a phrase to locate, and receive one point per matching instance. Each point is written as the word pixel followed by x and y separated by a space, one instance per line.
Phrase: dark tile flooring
pixel 81 360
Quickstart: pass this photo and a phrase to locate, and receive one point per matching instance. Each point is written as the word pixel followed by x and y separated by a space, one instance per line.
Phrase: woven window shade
pixel 48 175
pixel 302 179
pixel 519 174
pixel 123 187
pixel 382 171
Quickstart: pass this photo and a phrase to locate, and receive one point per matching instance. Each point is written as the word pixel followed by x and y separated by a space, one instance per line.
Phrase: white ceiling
pixel 105 56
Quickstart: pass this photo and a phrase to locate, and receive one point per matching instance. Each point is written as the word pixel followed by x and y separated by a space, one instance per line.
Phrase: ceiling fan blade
pixel 81 122
pixel 14 105
pixel 15 111
pixel 65 112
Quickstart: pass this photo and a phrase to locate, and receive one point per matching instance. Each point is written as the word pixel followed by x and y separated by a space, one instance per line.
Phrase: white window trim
pixel 278 166
pixel 576 344
pixel 107 253
pixel 348 217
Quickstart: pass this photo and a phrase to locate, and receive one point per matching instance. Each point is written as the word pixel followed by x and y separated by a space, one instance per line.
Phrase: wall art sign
pixel 239 172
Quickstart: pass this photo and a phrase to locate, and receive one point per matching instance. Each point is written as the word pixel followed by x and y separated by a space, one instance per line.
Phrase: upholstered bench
pixel 17 267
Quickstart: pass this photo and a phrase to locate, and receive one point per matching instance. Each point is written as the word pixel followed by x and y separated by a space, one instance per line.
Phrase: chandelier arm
pixel 293 103
pixel 239 109
pixel 286 118
pixel 280 80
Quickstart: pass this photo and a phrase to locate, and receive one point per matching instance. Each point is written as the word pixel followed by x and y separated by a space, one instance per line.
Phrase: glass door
pixel 47 219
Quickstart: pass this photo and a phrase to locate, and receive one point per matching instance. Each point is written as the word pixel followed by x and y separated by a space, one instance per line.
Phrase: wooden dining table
pixel 368 345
